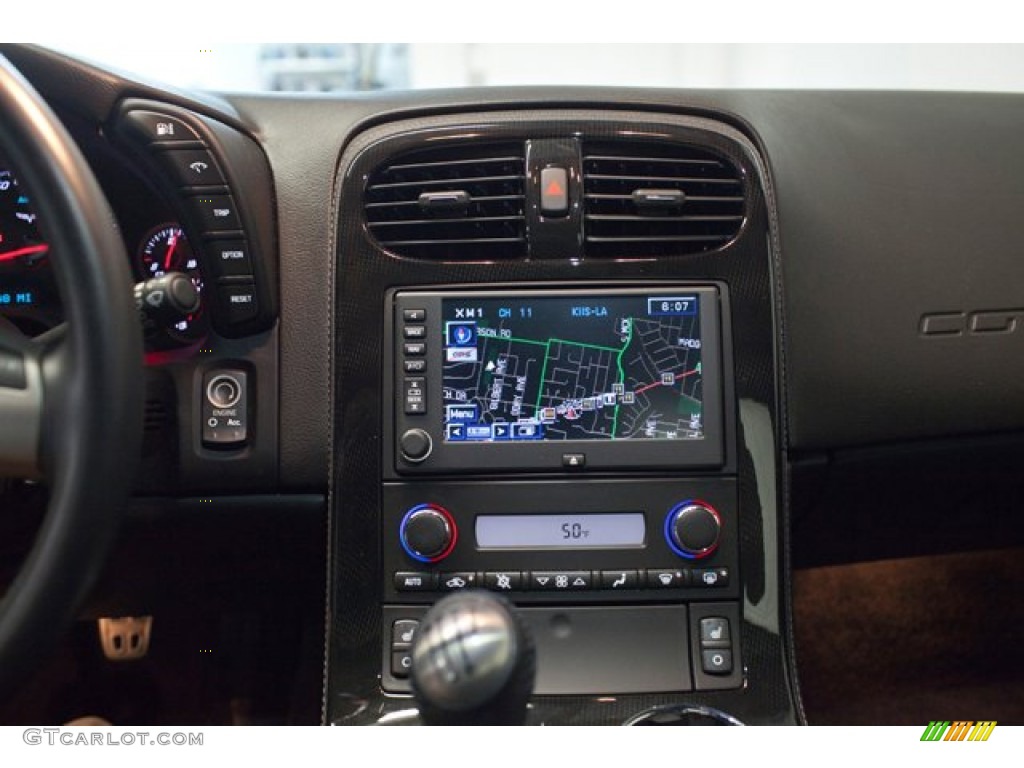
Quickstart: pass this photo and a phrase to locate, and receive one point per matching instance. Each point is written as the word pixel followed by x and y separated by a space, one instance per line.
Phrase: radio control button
pixel 415 331
pixel 667 578
pixel 415 349
pixel 414 315
pixel 503 581
pixel 414 366
pixel 415 389
pixel 415 445
pixel 619 580
pixel 415 581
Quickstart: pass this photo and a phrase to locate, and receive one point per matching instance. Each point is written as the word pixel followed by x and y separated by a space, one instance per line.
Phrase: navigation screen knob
pixel 428 533
pixel 415 445
pixel 692 529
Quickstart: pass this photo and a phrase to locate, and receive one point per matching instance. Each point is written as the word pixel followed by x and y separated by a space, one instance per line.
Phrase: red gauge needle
pixel 28 251
pixel 171 245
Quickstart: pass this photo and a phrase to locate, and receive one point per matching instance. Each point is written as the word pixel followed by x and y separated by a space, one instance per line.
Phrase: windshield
pixel 341 67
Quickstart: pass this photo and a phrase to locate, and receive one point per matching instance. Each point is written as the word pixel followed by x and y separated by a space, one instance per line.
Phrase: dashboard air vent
pixel 459 202
pixel 657 199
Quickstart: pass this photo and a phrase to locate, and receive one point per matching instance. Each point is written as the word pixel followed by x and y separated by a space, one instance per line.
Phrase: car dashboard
pixel 604 352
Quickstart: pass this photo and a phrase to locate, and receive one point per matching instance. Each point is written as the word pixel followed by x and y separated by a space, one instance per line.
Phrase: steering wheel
pixel 71 400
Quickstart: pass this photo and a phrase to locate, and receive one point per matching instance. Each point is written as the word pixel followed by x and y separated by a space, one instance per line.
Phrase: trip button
pixel 216 213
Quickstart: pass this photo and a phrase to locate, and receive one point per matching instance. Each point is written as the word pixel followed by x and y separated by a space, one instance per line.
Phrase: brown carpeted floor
pixel 902 642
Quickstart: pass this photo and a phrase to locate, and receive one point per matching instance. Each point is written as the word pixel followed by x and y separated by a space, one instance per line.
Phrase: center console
pixel 578 382
pixel 530 403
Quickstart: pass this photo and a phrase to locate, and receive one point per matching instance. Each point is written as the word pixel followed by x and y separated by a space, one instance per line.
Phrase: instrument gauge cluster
pixel 166 248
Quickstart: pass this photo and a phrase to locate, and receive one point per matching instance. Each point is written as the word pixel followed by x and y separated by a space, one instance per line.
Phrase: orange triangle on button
pixel 554 188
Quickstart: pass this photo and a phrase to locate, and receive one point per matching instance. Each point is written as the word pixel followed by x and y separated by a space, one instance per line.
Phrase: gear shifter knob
pixel 473 662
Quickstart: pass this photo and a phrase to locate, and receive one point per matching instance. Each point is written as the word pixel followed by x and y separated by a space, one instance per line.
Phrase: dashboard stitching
pixel 778 306
pixel 329 317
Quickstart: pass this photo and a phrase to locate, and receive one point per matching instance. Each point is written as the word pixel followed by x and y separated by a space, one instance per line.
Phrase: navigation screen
pixel 622 367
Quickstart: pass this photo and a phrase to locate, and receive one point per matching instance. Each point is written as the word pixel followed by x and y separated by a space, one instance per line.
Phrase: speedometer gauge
pixel 166 249
pixel 20 240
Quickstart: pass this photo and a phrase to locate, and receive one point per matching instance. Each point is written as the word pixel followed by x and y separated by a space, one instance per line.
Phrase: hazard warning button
pixel 554 191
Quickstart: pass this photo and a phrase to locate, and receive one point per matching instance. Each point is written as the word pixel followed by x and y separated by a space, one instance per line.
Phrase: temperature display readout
pixel 570 531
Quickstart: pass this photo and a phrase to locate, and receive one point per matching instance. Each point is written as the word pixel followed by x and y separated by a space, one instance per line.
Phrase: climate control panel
pixel 551 541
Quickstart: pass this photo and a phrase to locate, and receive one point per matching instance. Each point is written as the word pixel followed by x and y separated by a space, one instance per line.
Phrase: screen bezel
pixel 483 456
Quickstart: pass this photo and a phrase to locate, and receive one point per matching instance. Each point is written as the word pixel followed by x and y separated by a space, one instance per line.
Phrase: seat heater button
pixel 402 633
pixel 714 631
